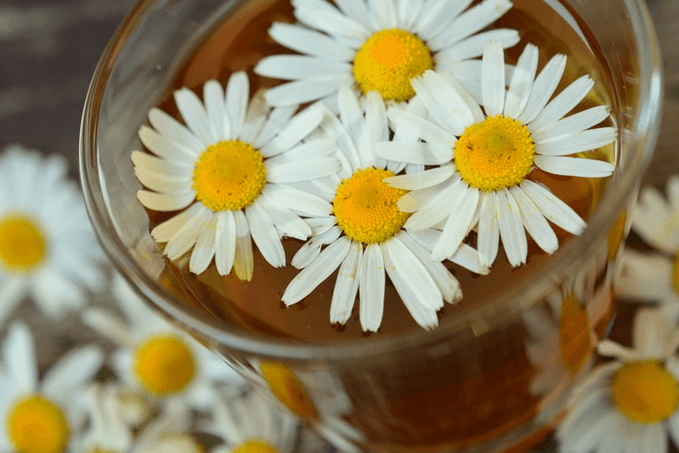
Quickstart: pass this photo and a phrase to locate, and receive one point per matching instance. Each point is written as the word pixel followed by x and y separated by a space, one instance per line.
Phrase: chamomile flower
pixel 47 247
pixel 486 156
pixel 364 235
pixel 249 424
pixel 628 405
pixel 156 357
pixel 379 46
pixel 231 171
pixel 42 415
pixel 654 276
pixel 316 396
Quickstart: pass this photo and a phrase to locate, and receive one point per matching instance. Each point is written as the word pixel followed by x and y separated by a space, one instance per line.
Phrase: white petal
pixel 555 210
pixel 310 42
pixel 236 102
pixel 161 166
pixel 563 103
pixel 11 294
pixel 298 201
pixel 295 67
pixel 574 166
pixel 654 220
pixel 174 130
pixel 418 181
pixel 474 46
pixel 357 10
pixel 489 229
pixel 108 325
pixel 443 102
pixel 421 128
pixel 307 90
pixel 468 258
pixel 19 357
pixel 331 22
pixel 371 288
pixel 645 276
pixel 462 209
pixel 301 170
pixel 385 12
pixel 165 202
pixel 377 126
pixel 493 79
pixel 213 96
pixel 167 229
pixel 299 127
pixel 243 262
pixel 205 247
pixel 414 152
pixel 166 148
pixel 543 88
pixel 187 235
pixel 536 225
pixel 264 234
pixel 310 251
pixel 522 81
pixel 576 142
pixel 278 117
pixel 577 122
pixel 163 183
pixel 194 115
pixel 225 242
pixel 511 229
pixel 314 274
pixel 346 286
pixel 74 369
pixel 437 16
pixel 286 222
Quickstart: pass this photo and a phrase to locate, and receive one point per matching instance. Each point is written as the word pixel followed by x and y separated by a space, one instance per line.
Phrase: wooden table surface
pixel 49 49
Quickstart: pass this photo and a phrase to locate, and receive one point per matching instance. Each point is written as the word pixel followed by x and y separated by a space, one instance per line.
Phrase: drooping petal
pixel 371 288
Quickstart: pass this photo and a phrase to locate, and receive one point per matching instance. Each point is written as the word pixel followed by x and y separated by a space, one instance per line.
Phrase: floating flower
pixel 379 46
pixel 42 415
pixel 364 235
pixel 156 357
pixel 235 173
pixel 249 424
pixel 654 276
pixel 628 405
pixel 47 247
pixel 486 156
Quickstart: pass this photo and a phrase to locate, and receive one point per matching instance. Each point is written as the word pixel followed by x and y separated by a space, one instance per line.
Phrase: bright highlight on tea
pixel 383 154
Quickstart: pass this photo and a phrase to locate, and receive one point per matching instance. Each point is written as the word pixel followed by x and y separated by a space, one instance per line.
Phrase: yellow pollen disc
pixel 229 175
pixel 288 389
pixel 365 207
pixel 37 425
pixel 254 446
pixel 387 62
pixel 23 246
pixel 645 392
pixel 494 154
pixel 164 365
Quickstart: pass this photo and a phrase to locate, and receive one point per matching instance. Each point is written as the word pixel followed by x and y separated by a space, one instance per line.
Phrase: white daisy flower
pixel 629 405
pixel 249 424
pixel 155 356
pixel 231 171
pixel 653 276
pixel 42 415
pixel 487 155
pixel 379 45
pixel 316 396
pixel 364 235
pixel 47 247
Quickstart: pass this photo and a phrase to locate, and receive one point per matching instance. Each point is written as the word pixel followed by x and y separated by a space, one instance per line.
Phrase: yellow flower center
pixel 254 446
pixel 37 425
pixel 645 392
pixel 387 62
pixel 229 175
pixel 288 389
pixel 366 209
pixel 494 154
pixel 23 246
pixel 164 365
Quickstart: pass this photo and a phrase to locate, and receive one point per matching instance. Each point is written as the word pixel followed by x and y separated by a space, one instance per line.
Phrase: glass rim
pixel 644 133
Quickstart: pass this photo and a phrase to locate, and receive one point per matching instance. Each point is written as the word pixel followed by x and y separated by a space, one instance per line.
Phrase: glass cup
pixel 491 379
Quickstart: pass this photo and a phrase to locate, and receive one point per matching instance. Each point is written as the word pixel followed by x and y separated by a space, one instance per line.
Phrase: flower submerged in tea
pixel 364 237
pixel 485 156
pixel 231 172
pixel 380 46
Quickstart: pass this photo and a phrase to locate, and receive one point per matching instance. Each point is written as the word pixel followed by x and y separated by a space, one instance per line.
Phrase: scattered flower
pixel 379 46
pixel 364 235
pixel 156 357
pixel 485 156
pixel 42 415
pixel 232 175
pixel 47 247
